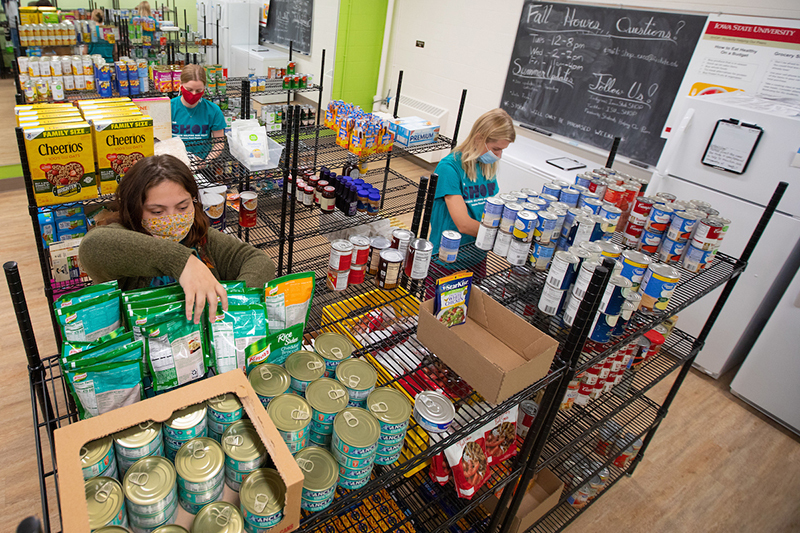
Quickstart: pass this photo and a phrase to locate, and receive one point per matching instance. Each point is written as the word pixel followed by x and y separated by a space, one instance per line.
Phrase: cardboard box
pixel 542 496
pixel 495 351
pixel 70 439
pixel 416 134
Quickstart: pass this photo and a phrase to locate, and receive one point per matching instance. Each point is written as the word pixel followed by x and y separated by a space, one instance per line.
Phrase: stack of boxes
pixel 359 132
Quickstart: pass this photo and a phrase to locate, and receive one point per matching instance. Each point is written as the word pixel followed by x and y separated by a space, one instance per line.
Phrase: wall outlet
pixel 420 44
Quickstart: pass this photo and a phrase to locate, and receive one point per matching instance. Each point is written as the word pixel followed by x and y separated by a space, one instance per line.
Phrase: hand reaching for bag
pixel 201 288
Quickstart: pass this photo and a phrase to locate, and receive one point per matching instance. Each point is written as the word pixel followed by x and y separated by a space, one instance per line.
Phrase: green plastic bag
pixel 95 353
pixel 91 319
pixel 86 293
pixel 103 387
pixel 149 293
pixel 288 300
pixel 70 348
pixel 274 348
pixel 234 330
pixel 176 352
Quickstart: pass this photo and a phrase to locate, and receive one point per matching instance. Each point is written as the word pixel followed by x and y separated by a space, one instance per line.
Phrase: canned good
pixel 614 295
pixel 660 218
pixel 448 246
pixel 658 284
pixel 389 449
pixel 360 250
pixel 355 433
pixel 570 196
pixel 98 459
pixel 327 398
pixel 291 414
pixel 337 280
pixel 418 258
pixel 392 410
pixel 671 251
pixel 341 255
pixel 353 463
pixel 593 204
pixel 186 423
pixel 524 225
pixel 401 238
pixel 518 251
pixel 634 266
pixel 707 234
pixel 695 259
pixel 262 497
pixel 562 270
pixel 650 241
pixel 217 517
pixel 303 368
pixel 510 212
pixel 614 194
pixel 485 238
pixel 603 327
pixel 551 300
pixel 244 451
pixel 150 491
pixel 541 255
pixel 545 227
pixel 388 276
pixel 389 440
pixel 492 212
pixel 320 474
pixel 628 454
pixel 502 242
pixel 193 502
pixel 225 409
pixel 359 377
pixel 248 209
pixel 551 188
pixel 433 411
pixel 269 380
pixel 682 225
pixel 200 465
pixel 377 245
pixel 316 439
pixel 528 410
pixel 333 348
pixel 106 502
pixel 352 484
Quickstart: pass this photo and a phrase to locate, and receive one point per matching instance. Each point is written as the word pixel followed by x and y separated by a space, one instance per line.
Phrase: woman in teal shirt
pixel 467 176
pixel 99 45
pixel 195 118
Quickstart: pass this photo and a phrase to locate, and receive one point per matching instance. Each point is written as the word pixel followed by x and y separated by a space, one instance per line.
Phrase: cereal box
pixel 47 121
pixel 61 162
pixel 28 116
pixel 82 103
pixel 39 107
pixel 120 142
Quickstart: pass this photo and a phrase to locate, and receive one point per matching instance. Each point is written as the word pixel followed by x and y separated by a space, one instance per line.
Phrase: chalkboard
pixel 288 21
pixel 594 73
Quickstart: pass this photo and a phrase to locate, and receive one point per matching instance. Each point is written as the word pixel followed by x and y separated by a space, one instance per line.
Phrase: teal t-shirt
pixel 197 123
pixel 104 48
pixel 453 180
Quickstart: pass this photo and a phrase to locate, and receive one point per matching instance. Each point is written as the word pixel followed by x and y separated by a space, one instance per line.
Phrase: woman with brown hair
pixel 195 118
pixel 161 235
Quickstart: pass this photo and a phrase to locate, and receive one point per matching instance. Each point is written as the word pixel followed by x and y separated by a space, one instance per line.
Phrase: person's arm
pixel 237 260
pixel 458 212
pixel 216 147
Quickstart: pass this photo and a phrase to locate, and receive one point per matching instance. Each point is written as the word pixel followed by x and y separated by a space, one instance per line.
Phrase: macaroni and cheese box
pixel 61 162
pixel 120 142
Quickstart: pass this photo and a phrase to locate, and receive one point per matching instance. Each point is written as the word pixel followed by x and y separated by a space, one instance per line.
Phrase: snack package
pixel 247 297
pixel 103 387
pixel 141 315
pixel 176 352
pixel 469 464
pixel 96 352
pixel 288 300
pixel 452 298
pixel 90 319
pixel 86 293
pixel 439 471
pixel 71 348
pixel 500 440
pixel 274 348
pixel 150 293
pixel 234 330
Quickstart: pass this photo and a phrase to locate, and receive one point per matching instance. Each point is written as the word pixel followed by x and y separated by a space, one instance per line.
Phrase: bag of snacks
pixel 176 352
pixel 452 298
pixel 86 293
pixel 439 472
pixel 500 439
pixel 469 464
pixel 96 353
pixel 71 348
pixel 234 330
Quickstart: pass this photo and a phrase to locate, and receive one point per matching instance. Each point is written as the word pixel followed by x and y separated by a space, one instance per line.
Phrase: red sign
pixel 752 31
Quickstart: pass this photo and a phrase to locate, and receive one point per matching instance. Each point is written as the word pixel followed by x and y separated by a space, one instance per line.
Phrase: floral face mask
pixel 173 227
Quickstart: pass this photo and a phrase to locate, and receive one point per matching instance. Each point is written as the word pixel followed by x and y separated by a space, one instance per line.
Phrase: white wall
pixel 468 45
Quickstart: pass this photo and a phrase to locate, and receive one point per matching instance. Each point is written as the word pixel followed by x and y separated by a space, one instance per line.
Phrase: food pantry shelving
pixel 403 362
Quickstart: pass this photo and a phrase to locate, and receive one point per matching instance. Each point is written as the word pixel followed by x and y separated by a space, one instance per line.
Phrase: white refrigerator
pixel 524 165
pixel 742 199
pixel 238 26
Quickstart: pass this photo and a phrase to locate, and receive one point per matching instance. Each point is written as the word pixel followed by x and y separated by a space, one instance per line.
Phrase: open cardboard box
pixel 542 495
pixel 495 351
pixel 70 439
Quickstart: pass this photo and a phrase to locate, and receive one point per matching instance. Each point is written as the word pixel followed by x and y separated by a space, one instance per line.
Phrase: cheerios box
pixel 120 142
pixel 70 439
pixel 61 162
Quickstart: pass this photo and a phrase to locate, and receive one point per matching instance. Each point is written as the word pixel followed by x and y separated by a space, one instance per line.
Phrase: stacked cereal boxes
pixel 361 133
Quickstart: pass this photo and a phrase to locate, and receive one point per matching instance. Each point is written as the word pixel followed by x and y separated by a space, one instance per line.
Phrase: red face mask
pixel 191 98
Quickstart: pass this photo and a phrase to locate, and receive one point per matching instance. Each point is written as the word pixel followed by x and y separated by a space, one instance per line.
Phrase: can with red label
pixel 418 258
pixel 357 273
pixel 341 255
pixel 527 413
pixel 632 189
pixel 707 234
pixel 360 250
pixel 570 395
pixel 584 394
pixel 642 207
pixel 337 279
pixel 248 209
pixel 614 194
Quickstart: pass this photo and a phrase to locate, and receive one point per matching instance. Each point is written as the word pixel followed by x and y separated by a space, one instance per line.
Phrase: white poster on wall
pixel 759 56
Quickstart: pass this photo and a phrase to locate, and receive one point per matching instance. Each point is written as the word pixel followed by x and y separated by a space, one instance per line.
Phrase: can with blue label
pixel 561 213
pixel 551 188
pixel 562 270
pixel 650 241
pixel 541 254
pixel 614 296
pixel 695 259
pixel 569 219
pixel 387 459
pixel 658 284
pixel 612 213
pixel 562 244
pixel 671 251
pixel 634 265
pixel 659 218
pixel 682 224
pixel 599 231
pixel 548 199
pixel 603 327
pixel 316 439
pixel 262 497
pixel 545 227
pixel 570 196
pixel 531 206
pixel 595 204
pixel 609 249
pixel 583 180
pixel 448 246
pixel 510 212
pixel 352 484
pixel 492 212
pixel 524 225
pixel 538 201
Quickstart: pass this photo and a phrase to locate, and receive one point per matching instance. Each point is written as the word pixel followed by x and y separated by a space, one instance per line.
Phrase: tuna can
pixel 352 484
pixel 524 225
pixel 98 459
pixel 303 368
pixel 551 300
pixel 139 441
pixel 518 251
pixel 355 473
pixel 650 241
pixel 671 251
pixel 346 462
pixel 614 295
pixel 552 189
pixel 391 261
pixel 217 517
pixel 501 243
pixel 584 276
pixel 105 502
pixel 387 459
pixel 433 411
pixel 320 474
pixel 541 254
pixel 485 238
pixel 327 398
pixel 391 408
pixel 695 259
pixel 360 255
pixel 376 245
pixel 262 496
pixel 660 218
pixel 150 492
pixel 545 227
pixel 333 348
pixel 634 265
pixel 200 467
pixel 492 212
pixel 658 284
pixel 390 449
pixel 317 439
pixel 401 239
pixel 683 224
pixel 418 258
pixel 594 204
pixel 706 235
pixel 448 246
pixel 570 196
pixel 528 410
pixel 510 213
pixel 269 380
pixel 603 327
pixel 355 433
pixel 341 255
pixel 187 423
pixel 609 249
pixel 224 409
pixel 192 502
pixel 562 270
pixel 321 429
pixel 389 440
pixel 244 451
pixel 291 414
pixel 358 377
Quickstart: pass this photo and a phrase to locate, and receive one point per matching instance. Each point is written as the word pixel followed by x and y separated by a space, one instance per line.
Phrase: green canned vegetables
pixel 106 503
pixel 150 492
pixel 334 349
pixel 262 498
pixel 303 368
pixel 218 517
pixel 268 381
pixel 359 377
pixel 291 414
pixel 98 459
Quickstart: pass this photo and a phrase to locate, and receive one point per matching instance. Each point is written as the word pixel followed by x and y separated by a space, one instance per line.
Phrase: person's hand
pixel 200 287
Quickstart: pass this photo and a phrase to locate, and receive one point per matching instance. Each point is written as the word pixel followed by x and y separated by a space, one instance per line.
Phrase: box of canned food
pixel 284 478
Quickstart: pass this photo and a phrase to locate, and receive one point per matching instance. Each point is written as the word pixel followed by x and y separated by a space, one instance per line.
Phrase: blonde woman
pixel 467 176
pixel 144 9
pixel 148 23
pixel 195 118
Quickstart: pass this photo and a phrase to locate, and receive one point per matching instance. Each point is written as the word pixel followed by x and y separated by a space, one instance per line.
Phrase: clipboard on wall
pixel 732 145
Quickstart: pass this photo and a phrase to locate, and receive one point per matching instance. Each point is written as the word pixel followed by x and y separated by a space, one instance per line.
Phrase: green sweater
pixel 134 259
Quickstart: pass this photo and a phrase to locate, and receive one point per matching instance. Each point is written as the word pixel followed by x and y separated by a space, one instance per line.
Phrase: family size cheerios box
pixel 61 162
pixel 47 120
pixel 28 116
pixel 119 143
pixel 82 103
pixel 38 107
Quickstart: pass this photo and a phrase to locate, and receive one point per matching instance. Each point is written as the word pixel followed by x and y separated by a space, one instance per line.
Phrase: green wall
pixel 358 51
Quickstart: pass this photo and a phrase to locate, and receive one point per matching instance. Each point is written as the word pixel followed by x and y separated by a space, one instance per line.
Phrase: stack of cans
pixel 354 446
pixel 200 467
pixel 705 242
pixel 269 380
pixel 139 441
pixel 392 410
pixel 339 264
pixel 333 348
pixel 303 368
pixel 244 452
pixel 359 379
pixel 151 493
pixel 327 398
pixel 320 474
pixel 360 258
pixel 292 415
pixel 183 426
pixel 98 459
pixel 490 223
pixel 222 411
